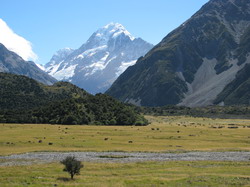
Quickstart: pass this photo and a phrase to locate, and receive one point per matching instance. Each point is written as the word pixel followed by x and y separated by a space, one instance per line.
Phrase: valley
pixel 171 113
pixel 176 135
pixel 164 134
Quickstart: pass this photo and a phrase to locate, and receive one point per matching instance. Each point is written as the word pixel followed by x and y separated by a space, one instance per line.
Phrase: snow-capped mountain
pixel 55 62
pixel 98 62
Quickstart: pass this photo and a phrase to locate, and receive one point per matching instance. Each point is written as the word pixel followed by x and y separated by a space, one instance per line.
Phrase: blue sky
pixel 54 24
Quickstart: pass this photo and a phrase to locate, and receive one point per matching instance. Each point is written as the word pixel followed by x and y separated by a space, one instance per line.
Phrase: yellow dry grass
pixel 174 173
pixel 164 134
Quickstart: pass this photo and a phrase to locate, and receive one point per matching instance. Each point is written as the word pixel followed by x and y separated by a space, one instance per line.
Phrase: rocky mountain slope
pixel 98 62
pixel 10 62
pixel 197 63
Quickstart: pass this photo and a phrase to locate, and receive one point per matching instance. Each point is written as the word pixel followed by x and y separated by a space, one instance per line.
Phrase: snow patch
pixel 53 68
pixel 65 73
pixel 91 52
pixel 40 66
pixel 105 57
pixel 80 56
pixel 113 30
pixel 124 66
pixel 98 66
pixel 115 35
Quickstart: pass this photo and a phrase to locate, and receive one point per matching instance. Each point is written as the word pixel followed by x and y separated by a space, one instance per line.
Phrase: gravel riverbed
pixel 120 157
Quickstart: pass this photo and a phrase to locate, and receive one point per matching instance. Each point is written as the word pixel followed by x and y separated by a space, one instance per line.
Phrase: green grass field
pixel 202 173
pixel 164 134
pixel 174 134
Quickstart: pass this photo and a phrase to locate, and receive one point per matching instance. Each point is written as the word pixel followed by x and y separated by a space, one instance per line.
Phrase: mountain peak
pixel 65 51
pixel 113 25
pixel 99 61
pixel 112 30
pixel 59 56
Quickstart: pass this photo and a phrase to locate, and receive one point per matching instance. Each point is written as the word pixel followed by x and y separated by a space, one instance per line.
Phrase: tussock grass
pixel 182 173
pixel 164 134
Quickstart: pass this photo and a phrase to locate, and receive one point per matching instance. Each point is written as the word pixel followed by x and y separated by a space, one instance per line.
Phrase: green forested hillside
pixel 23 100
pixel 224 112
pixel 20 92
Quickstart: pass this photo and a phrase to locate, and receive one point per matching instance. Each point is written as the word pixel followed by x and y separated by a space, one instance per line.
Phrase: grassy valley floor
pixel 173 173
pixel 164 134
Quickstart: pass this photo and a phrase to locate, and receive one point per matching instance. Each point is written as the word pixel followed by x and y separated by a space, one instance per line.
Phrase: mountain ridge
pixel 208 47
pixel 98 62
pixel 10 62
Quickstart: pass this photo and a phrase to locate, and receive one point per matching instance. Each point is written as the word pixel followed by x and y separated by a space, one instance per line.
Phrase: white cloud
pixel 16 43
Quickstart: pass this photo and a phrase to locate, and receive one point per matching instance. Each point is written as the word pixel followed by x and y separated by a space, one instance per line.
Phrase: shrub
pixel 72 166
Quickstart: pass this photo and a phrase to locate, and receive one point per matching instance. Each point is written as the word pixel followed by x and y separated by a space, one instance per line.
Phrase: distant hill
pixel 203 62
pixel 24 100
pixel 10 62
pixel 20 92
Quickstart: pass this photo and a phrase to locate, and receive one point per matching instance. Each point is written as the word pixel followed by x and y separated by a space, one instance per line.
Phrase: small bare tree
pixel 72 166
